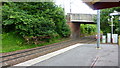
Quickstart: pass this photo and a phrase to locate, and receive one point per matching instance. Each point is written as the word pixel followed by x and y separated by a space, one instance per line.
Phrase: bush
pixel 34 19
pixel 88 29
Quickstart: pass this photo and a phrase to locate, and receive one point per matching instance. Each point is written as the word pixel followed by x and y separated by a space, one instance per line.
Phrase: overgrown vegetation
pixel 33 23
pixel 105 24
pixel 34 19
pixel 12 42
pixel 88 29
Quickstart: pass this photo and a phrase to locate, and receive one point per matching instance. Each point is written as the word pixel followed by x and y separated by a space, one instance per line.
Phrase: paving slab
pixel 85 55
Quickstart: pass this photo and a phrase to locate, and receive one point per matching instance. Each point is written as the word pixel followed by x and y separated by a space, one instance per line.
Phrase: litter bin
pixel 103 39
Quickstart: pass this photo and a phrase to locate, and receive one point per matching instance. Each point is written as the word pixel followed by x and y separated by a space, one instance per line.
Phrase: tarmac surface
pixel 85 55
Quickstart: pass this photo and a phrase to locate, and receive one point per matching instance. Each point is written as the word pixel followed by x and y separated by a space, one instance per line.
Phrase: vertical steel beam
pixel 112 29
pixel 119 32
pixel 112 25
pixel 70 6
pixel 98 28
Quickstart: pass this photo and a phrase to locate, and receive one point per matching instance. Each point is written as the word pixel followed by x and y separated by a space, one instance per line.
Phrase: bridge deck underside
pixel 84 22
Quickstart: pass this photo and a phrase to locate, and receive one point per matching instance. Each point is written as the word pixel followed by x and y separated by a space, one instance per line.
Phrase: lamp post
pixel 119 22
pixel 112 29
pixel 119 31
pixel 112 16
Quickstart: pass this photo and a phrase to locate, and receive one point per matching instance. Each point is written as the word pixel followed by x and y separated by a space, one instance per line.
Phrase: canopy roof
pixel 102 4
pixel 115 13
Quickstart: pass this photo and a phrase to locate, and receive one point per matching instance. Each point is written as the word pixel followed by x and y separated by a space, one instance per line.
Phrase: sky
pixel 77 6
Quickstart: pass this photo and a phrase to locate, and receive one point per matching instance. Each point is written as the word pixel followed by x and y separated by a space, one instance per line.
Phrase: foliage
pixel 105 24
pixel 34 19
pixel 88 29
pixel 12 42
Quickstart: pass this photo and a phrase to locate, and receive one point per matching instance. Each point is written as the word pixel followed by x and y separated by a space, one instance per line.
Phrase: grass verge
pixel 12 42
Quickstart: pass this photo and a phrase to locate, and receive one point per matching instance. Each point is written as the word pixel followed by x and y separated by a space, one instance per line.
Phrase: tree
pixel 105 24
pixel 34 19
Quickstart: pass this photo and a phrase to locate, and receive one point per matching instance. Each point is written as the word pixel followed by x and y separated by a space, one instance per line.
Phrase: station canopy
pixel 102 4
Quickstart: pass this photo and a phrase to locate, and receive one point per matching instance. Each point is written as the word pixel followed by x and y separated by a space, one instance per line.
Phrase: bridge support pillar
pixel 75 30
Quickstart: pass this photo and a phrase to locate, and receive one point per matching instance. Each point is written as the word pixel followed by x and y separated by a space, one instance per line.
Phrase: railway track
pixel 15 58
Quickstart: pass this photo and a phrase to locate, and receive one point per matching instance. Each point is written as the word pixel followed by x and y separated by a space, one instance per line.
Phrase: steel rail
pixel 30 50
pixel 53 46
pixel 33 53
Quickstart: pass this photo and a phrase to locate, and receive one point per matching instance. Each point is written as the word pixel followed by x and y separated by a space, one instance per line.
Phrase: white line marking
pixel 47 56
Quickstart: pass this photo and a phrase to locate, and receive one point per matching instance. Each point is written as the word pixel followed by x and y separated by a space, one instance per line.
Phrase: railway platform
pixel 80 55
pixel 80 52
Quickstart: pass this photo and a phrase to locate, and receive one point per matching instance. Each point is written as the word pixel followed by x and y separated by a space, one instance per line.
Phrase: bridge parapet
pixel 76 17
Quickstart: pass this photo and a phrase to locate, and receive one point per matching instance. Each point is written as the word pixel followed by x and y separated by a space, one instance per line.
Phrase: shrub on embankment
pixel 32 24
pixel 88 29
pixel 36 20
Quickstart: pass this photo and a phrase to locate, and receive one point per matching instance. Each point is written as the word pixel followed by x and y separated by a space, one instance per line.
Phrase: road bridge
pixel 75 19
